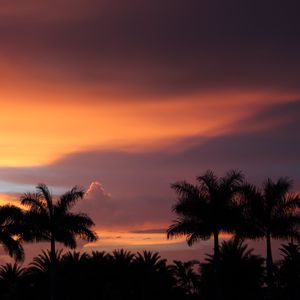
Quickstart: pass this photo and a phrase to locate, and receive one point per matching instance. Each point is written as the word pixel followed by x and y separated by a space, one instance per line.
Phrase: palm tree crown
pixel 11 230
pixel 241 272
pixel 271 212
pixel 150 261
pixel 186 277
pixel 207 208
pixel 53 220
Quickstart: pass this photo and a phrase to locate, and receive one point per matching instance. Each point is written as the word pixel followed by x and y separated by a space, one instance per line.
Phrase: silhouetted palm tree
pixel 11 271
pixel 11 230
pixel 186 276
pixel 52 221
pixel 74 275
pixel 271 213
pixel 99 257
pixel 41 264
pixel 151 261
pixel 120 275
pixel 289 271
pixel 241 273
pixel 11 280
pixel 122 258
pixel 75 257
pixel 153 278
pixel 40 272
pixel 206 209
pixel 101 269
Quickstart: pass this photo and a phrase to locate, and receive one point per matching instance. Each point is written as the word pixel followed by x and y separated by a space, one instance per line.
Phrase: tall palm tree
pixel 271 213
pixel 11 231
pixel 53 221
pixel 207 209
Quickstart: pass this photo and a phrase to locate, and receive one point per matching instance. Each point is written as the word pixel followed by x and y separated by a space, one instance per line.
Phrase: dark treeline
pixel 207 209
pixel 145 276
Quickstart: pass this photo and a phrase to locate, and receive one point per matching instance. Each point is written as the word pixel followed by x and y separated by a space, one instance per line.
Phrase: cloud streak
pixel 136 192
pixel 156 48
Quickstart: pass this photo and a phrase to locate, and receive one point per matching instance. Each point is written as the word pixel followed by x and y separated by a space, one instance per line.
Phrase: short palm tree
pixel 12 280
pixel 53 221
pixel 120 273
pixel 150 261
pixel 271 213
pixel 11 231
pixel 75 258
pixel 122 258
pixel 207 209
pixel 186 276
pixel 99 257
pixel 41 264
pixel 152 275
pixel 11 271
pixel 241 272
pixel 74 274
pixel 289 271
pixel 40 272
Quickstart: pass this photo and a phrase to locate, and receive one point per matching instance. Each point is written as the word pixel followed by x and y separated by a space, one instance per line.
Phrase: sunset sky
pixel 126 97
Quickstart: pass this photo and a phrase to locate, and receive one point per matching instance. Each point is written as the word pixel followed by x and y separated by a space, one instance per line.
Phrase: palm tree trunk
pixel 217 264
pixel 53 269
pixel 269 263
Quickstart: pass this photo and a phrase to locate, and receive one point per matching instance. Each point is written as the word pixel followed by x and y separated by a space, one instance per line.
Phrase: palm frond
pixel 292 202
pixel 33 201
pixel 209 181
pixel 66 237
pixel 185 189
pixel 233 178
pixel 42 262
pixel 74 225
pixel 11 271
pixel 45 192
pixel 75 257
pixel 12 246
pixel 68 199
pixel 191 229
pixel 122 257
pixel 150 259
pixel 37 226
pixel 10 214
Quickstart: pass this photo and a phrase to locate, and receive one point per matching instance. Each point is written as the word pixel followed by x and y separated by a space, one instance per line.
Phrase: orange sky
pixel 35 131
pixel 40 126
pixel 137 96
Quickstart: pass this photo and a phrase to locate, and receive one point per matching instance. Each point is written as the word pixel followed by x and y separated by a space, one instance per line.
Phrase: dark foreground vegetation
pixel 145 275
pixel 204 210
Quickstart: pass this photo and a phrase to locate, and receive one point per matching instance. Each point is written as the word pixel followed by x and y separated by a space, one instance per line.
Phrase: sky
pixel 126 97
